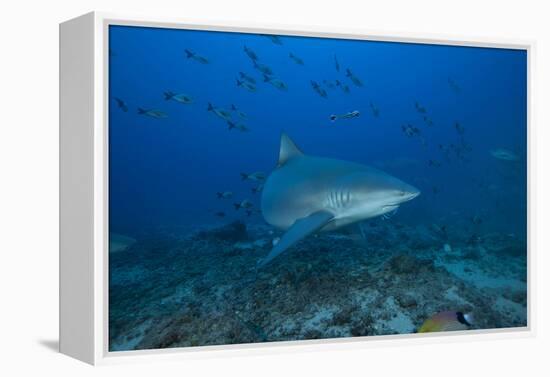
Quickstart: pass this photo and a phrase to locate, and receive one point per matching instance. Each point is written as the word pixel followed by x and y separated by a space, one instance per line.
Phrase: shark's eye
pixel 402 193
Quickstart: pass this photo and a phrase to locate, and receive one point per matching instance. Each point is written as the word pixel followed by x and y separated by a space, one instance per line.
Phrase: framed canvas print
pixel 228 186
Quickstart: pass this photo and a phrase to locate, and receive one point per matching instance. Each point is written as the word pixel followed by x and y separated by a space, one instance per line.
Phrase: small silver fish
pixel 157 114
pixel 247 77
pixel 275 82
pixel 349 115
pixel 504 154
pixel 263 68
pixel 238 126
pixel 239 113
pixel 224 114
pixel 181 98
pixel 246 85
pixel 257 176
pixel 244 204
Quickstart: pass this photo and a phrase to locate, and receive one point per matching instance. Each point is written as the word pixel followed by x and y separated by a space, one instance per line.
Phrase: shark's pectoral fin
pixel 300 229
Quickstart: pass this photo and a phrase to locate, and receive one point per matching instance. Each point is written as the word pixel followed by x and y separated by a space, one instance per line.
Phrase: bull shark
pixel 306 194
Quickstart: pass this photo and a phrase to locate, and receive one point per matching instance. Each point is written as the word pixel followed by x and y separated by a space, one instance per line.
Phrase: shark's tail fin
pixel 210 107
pixel 189 54
pixel 333 118
pixel 168 95
pixel 267 78
pixel 219 195
pixel 239 82
pixel 348 72
pixel 141 111
pixel 237 206
pixel 244 176
pixel 230 126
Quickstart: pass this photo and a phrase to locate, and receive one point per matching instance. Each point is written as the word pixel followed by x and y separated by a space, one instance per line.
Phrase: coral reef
pixel 204 289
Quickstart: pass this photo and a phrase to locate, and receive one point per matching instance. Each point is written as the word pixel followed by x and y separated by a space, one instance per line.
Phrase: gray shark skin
pixel 306 194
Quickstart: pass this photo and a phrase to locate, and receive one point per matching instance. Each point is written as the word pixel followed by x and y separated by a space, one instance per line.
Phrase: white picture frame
pixel 84 189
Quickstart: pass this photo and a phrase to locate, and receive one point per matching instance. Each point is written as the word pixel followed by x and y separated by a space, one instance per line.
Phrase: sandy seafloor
pixel 180 288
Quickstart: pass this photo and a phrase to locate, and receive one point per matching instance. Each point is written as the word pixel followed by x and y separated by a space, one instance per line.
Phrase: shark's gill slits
pixel 339 199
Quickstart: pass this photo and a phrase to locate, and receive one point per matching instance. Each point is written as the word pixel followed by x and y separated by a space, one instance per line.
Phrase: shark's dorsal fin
pixel 287 150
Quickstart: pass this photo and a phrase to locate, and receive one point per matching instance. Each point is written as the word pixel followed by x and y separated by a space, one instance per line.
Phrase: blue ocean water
pixel 449 120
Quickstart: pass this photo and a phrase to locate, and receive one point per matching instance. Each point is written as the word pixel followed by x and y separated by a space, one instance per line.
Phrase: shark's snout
pixel 409 193
pixel 406 193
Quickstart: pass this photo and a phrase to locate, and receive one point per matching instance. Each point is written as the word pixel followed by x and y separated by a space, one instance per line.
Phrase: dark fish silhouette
pixel 157 114
pixel 247 77
pixel 375 110
pixel 343 86
pixel 240 113
pixel 246 85
pixel 410 130
pixel 322 92
pixel 419 108
pixel 257 189
pixel 274 38
pixel 353 78
pixel 240 127
pixel 222 113
pixel 454 86
pixel 296 59
pixel 336 64
pixel 192 55
pixel 275 82
pixel 428 121
pixel 121 104
pixel 181 98
pixel 263 68
pixel 251 54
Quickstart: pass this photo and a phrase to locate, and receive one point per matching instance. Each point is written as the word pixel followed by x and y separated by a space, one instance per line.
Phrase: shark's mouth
pixel 390 207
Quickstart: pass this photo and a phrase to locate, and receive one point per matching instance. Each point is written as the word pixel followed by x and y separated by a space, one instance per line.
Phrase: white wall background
pixel 29 183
